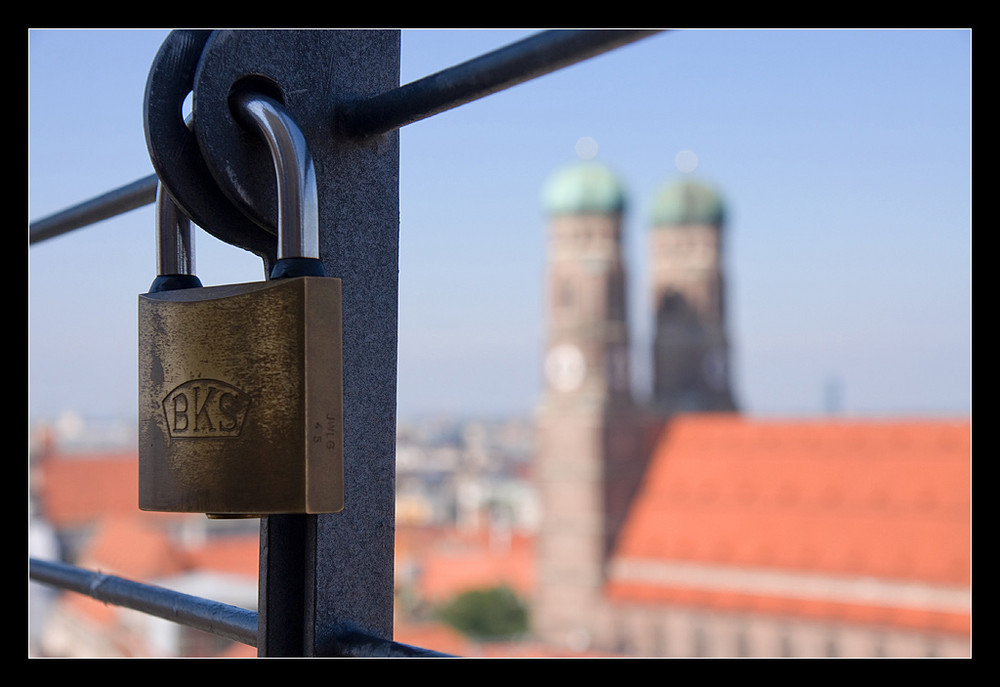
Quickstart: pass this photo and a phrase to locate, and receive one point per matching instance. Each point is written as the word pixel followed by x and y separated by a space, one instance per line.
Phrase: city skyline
pixel 844 156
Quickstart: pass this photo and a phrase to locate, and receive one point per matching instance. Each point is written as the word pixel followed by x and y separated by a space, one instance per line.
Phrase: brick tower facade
pixel 586 420
pixel 594 441
pixel 691 361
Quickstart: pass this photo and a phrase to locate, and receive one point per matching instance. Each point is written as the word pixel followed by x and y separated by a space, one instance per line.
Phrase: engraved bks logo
pixel 205 408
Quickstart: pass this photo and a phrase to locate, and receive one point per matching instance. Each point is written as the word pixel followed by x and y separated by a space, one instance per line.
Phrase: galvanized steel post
pixel 338 568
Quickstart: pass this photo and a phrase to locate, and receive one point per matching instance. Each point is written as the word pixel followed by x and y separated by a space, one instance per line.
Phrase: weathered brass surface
pixel 241 398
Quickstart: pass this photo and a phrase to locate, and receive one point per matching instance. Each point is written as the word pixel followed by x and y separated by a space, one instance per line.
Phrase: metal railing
pixel 495 71
pixel 288 547
pixel 223 620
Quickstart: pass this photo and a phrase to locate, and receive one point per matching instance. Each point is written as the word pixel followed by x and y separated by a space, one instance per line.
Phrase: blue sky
pixel 844 157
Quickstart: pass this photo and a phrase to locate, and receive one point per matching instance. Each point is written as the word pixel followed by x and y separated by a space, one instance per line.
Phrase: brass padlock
pixel 241 386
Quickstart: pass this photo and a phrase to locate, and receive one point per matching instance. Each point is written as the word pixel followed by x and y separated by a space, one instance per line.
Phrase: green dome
pixel 688 202
pixel 583 187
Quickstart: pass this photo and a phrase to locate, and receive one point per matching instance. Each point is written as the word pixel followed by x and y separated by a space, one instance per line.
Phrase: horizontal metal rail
pixel 223 620
pixel 495 71
pixel 477 78
pixel 106 206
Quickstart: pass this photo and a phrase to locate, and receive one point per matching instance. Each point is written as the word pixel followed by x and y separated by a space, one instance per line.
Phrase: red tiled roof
pixel 239 555
pixel 74 490
pixel 887 500
pixel 126 547
pixel 133 548
pixel 101 489
pixel 137 547
pixel 452 561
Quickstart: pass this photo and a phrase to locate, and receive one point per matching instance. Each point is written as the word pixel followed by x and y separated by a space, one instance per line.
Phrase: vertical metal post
pixel 322 576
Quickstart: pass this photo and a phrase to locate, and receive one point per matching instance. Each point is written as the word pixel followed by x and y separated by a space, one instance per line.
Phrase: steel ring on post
pixel 175 154
pixel 297 70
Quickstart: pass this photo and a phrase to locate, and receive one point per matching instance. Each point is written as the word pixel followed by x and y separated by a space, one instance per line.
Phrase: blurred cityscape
pixel 466 515
pixel 599 525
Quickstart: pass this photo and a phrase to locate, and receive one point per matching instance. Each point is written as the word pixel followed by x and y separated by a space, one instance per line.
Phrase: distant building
pixel 673 527
pixel 87 501
pixel 680 528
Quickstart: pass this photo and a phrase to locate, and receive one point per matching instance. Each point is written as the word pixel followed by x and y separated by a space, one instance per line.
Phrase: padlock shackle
pixel 298 199
pixel 174 246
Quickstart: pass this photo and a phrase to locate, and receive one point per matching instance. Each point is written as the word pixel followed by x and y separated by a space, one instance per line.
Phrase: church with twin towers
pixel 677 525
pixel 594 437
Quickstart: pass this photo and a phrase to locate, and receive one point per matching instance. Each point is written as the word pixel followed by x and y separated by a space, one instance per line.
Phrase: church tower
pixel 585 414
pixel 690 348
pixel 586 361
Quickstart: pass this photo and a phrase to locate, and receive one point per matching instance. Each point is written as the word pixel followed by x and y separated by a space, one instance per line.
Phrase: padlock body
pixel 241 398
